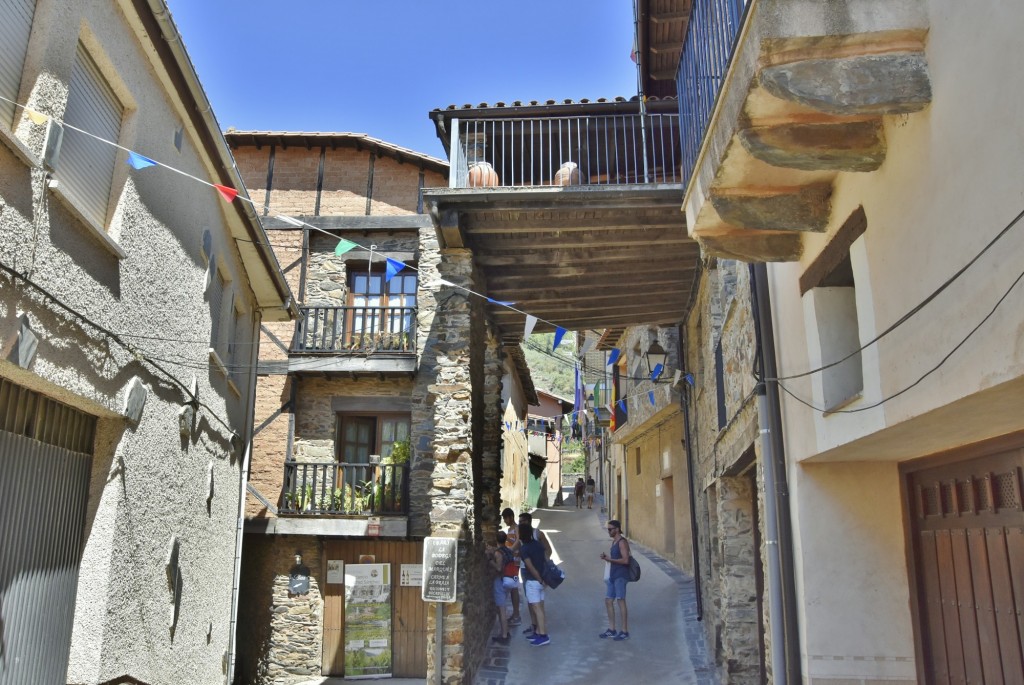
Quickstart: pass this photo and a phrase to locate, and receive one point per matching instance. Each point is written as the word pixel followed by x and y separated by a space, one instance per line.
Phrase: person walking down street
pixel 532 554
pixel 591 486
pixel 498 557
pixel 512 543
pixel 616 575
pixel 580 487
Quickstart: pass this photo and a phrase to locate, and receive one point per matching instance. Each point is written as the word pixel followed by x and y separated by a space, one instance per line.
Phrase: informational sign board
pixel 298 580
pixel 368 621
pixel 411 575
pixel 335 572
pixel 439 568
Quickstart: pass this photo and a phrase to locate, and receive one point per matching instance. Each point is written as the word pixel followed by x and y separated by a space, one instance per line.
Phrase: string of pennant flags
pixel 393 267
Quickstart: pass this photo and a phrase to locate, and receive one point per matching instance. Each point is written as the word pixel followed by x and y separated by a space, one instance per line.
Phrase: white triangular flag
pixel 675 378
pixel 531 321
pixel 588 344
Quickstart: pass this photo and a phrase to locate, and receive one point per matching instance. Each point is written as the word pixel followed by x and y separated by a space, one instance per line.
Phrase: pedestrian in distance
pixel 591 486
pixel 512 543
pixel 578 490
pixel 532 554
pixel 498 557
pixel 616 575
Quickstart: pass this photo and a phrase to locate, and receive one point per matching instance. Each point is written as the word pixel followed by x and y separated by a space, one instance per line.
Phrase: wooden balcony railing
pixel 356 330
pixel 332 488
pixel 619 149
pixel 710 40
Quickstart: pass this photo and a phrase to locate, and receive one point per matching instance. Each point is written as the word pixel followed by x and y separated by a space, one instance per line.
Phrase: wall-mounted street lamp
pixel 656 357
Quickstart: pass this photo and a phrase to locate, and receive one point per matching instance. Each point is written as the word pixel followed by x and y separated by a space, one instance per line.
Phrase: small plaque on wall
pixel 335 572
pixel 298 580
pixel 411 575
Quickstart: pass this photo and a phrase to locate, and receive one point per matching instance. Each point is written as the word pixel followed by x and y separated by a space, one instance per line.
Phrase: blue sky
pixel 380 66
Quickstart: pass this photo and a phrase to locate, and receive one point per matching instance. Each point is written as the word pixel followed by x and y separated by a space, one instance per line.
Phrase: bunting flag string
pixel 650 396
pixel 393 267
pixel 658 368
pixel 613 356
pixel 139 161
pixel 559 334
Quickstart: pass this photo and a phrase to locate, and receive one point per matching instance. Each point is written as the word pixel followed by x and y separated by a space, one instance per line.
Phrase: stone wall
pixel 280 635
pixel 725 501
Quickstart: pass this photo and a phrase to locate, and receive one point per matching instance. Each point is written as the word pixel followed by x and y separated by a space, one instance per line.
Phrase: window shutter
pixel 86 166
pixel 14 32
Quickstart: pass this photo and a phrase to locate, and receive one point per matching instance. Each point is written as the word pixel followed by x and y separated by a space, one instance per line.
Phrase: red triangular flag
pixel 229 194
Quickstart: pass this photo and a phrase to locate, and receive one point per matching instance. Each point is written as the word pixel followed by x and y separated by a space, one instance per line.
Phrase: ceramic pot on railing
pixel 567 175
pixel 482 175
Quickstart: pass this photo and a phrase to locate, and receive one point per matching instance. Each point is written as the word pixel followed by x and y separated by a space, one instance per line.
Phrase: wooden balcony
pixel 354 340
pixel 339 489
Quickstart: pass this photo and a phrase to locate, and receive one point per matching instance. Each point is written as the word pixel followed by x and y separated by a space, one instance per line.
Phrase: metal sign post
pixel 440 564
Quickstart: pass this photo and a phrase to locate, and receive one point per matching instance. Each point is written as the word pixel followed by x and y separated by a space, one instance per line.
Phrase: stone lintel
pixel 891 83
pixel 804 208
pixel 753 246
pixel 777 51
pixel 838 146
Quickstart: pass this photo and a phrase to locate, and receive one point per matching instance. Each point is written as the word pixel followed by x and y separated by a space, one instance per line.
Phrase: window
pixel 831 304
pixel 723 417
pixel 383 312
pixel 14 34
pixel 85 169
pixel 359 436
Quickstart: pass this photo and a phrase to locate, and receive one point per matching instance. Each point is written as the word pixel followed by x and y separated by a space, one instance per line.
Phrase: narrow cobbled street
pixel 666 642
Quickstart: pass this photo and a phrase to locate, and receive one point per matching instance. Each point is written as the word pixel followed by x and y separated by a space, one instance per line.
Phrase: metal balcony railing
pixel 708 47
pixel 333 488
pixel 356 330
pixel 609 149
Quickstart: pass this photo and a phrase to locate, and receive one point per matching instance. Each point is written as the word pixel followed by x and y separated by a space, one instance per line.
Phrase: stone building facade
pixel 727 475
pixel 424 371
pixel 649 490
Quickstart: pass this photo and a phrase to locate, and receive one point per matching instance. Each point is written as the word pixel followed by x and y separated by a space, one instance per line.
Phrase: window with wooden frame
pixel 15 30
pixel 831 304
pixel 361 435
pixel 85 169
pixel 382 312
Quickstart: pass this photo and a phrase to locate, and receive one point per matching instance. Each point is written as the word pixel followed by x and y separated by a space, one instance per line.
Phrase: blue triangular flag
pixel 137 161
pixel 613 356
pixel 622 405
pixel 658 368
pixel 503 304
pixel 650 396
pixel 689 379
pixel 393 267
pixel 559 332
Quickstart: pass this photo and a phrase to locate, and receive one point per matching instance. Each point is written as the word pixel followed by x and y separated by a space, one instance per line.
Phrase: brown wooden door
pixel 968 528
pixel 409 612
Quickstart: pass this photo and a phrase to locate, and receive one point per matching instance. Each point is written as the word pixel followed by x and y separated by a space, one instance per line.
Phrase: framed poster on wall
pixel 368 643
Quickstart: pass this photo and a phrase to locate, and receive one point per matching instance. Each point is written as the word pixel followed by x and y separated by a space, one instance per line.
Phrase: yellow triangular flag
pixel 36 117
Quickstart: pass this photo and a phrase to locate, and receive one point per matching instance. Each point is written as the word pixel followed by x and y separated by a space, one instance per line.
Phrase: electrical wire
pixel 925 375
pixel 903 319
pixel 139 356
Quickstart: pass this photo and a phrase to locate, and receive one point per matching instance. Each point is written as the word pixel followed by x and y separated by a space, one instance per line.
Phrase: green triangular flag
pixel 344 246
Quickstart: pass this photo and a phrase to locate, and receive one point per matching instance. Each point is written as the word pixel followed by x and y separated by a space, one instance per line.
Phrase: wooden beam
pixel 669 17
pixel 664 75
pixel 601 239
pixel 627 273
pixel 679 256
pixel 625 223
pixel 665 48
pixel 627 309
pixel 544 291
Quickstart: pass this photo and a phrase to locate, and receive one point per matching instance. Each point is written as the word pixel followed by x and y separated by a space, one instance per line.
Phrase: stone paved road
pixel 666 642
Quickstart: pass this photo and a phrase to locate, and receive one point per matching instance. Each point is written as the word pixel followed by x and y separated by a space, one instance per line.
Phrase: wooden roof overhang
pixel 663 25
pixel 579 257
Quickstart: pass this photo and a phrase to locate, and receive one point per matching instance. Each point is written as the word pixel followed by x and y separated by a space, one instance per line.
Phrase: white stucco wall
pixel 148 482
pixel 950 182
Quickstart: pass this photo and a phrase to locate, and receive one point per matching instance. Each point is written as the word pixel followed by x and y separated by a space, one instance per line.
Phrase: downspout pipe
pixel 243 481
pixel 785 652
pixel 690 476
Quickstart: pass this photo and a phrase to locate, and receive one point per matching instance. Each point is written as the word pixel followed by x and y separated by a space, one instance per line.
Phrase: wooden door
pixel 967 523
pixel 409 612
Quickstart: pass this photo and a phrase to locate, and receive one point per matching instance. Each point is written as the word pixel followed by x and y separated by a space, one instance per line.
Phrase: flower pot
pixel 482 175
